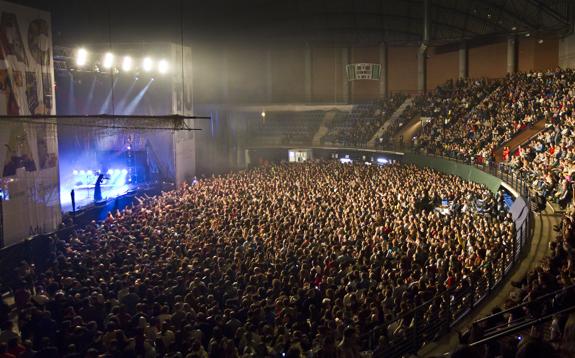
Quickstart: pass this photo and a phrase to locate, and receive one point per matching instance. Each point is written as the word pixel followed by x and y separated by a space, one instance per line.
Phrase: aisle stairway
pixel 408 131
pixel 323 127
pixel 398 112
pixel 520 139
pixel 538 249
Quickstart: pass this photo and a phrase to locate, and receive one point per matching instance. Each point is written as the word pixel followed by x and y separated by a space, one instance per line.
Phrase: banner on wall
pixel 363 71
pixel 29 149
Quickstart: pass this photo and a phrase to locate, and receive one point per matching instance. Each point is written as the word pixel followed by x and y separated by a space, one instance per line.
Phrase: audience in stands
pixel 449 115
pixel 548 159
pixel 554 276
pixel 281 127
pixel 363 122
pixel 281 261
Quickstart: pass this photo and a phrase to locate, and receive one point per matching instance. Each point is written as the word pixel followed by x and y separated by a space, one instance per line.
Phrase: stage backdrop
pixel 28 148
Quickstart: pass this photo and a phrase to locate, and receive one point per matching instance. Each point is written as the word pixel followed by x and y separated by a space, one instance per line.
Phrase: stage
pixel 112 197
pixel 84 195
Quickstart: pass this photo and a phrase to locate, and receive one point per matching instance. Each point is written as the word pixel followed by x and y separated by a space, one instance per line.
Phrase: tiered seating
pixel 363 122
pixel 539 314
pixel 410 112
pixel 287 127
pixel 520 101
pixel 548 160
pixel 448 108
pixel 470 125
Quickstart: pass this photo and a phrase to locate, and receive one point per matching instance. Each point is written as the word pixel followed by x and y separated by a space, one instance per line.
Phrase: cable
pixel 182 45
pixel 110 49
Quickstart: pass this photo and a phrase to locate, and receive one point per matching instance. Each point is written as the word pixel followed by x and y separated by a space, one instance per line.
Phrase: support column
pixel 422 53
pixel 352 84
pixel 345 83
pixel 422 69
pixel 269 77
pixel 224 79
pixel 383 61
pixel 307 79
pixel 463 61
pixel 512 54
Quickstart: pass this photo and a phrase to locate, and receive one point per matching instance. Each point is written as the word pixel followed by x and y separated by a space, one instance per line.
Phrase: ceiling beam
pixel 512 15
pixel 464 14
pixel 397 16
pixel 554 14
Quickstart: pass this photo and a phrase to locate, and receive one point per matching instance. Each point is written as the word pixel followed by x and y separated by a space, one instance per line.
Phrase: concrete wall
pixel 269 73
pixel 402 67
pixel 323 73
pixel 442 67
pixel 465 171
pixel 288 71
pixel 535 56
pixel 567 52
pixel 488 61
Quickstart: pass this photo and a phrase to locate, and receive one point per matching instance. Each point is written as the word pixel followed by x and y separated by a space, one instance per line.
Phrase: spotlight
pixel 163 66
pixel 124 171
pixel 116 171
pixel 108 60
pixel 81 57
pixel 540 41
pixel 89 172
pixel 147 64
pixel 263 114
pixel 513 28
pixel 527 34
pixel 75 172
pixel 110 171
pixel 82 172
pixel 127 64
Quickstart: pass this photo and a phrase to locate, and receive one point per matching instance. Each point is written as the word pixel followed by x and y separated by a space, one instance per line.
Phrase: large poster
pixel 28 148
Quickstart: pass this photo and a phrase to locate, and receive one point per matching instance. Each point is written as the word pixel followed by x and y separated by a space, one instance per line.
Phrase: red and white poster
pixel 29 148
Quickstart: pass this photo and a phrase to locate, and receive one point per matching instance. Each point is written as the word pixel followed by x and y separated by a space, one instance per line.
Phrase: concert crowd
pixel 288 260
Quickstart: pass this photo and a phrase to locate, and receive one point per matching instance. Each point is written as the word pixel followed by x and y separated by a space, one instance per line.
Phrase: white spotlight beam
pixel 163 66
pixel 108 60
pixel 127 64
pixel 147 64
pixel 81 57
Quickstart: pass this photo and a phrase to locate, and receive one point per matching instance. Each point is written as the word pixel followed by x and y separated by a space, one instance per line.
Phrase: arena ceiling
pixel 401 21
pixel 347 22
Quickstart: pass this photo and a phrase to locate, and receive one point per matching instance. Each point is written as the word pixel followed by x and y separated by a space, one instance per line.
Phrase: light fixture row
pixel 127 62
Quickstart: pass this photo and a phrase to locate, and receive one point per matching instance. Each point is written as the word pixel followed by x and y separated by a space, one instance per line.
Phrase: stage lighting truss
pixel 110 123
pixel 81 59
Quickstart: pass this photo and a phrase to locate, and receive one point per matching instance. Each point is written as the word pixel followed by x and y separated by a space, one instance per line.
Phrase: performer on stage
pixel 98 188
